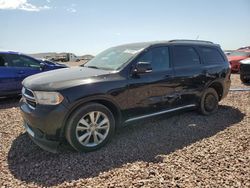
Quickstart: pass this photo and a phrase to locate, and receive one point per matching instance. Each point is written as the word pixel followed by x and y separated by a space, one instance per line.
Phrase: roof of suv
pixel 147 44
pixel 179 41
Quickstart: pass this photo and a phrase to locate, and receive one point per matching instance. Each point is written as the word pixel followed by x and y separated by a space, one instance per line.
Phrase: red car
pixel 235 57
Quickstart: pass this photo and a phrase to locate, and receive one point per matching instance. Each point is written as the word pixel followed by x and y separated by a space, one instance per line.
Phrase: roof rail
pixel 191 41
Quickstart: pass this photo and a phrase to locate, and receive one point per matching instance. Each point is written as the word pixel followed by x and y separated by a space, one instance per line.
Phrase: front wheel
pixel 243 79
pixel 209 102
pixel 90 127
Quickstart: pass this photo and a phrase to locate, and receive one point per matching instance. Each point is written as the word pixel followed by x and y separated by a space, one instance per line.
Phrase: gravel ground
pixel 236 82
pixel 184 150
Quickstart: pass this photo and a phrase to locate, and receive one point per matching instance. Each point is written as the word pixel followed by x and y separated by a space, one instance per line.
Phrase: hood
pixel 236 58
pixel 64 78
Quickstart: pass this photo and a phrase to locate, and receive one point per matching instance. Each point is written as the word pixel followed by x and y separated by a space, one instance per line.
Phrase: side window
pixel 3 62
pixel 185 56
pixel 158 57
pixel 22 61
pixel 211 55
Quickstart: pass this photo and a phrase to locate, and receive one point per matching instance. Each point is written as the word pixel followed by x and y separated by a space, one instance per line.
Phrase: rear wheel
pixel 209 102
pixel 90 127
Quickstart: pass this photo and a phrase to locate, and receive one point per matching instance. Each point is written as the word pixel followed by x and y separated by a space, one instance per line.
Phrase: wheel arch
pixel 218 87
pixel 105 101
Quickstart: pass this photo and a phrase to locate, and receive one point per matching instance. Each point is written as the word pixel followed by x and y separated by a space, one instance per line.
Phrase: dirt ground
pixel 183 150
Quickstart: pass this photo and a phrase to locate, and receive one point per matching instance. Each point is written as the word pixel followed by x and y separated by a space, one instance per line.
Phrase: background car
pixel 235 57
pixel 14 67
pixel 245 70
pixel 244 48
pixel 228 52
pixel 54 64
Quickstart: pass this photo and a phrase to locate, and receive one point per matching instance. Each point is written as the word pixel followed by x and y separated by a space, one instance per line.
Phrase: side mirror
pixel 42 66
pixel 142 67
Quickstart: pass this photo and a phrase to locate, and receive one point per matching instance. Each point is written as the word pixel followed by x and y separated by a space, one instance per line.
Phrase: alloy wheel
pixel 92 128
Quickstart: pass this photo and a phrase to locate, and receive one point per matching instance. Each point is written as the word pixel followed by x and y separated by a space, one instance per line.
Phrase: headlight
pixel 48 98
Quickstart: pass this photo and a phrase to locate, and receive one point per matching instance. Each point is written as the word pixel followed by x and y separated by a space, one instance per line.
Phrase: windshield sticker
pixel 129 51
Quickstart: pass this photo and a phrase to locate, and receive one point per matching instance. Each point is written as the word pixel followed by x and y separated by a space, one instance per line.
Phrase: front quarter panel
pixel 112 88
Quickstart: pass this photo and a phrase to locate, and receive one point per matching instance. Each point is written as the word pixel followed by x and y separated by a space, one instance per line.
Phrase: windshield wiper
pixel 93 67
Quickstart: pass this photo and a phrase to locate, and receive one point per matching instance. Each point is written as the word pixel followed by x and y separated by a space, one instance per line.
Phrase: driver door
pixel 23 67
pixel 153 91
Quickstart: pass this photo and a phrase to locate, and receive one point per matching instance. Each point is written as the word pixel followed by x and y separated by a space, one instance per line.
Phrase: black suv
pixel 84 105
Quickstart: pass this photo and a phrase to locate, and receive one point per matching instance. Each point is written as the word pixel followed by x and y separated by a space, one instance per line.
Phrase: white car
pixel 245 70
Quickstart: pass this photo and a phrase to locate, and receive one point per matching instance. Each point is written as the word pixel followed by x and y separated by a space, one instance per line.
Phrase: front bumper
pixel 41 140
pixel 44 124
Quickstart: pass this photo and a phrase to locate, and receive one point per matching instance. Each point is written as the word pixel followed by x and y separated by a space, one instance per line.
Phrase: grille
pixel 29 97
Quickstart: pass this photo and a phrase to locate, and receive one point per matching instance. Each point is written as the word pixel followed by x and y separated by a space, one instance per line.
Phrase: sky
pixel 90 26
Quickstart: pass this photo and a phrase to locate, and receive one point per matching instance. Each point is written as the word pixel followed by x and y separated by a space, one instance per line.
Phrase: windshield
pixel 239 53
pixel 114 58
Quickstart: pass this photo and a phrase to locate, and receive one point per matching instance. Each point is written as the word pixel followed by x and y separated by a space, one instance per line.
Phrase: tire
pixel 209 102
pixel 90 127
pixel 243 80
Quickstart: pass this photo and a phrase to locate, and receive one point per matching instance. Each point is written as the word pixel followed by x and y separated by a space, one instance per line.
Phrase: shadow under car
pixel 143 142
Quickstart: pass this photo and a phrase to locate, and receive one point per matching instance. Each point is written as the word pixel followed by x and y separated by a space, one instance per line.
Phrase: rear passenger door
pixel 188 74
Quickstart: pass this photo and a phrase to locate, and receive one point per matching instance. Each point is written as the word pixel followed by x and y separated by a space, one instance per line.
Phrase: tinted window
pixel 3 62
pixel 114 58
pixel 23 61
pixel 185 56
pixel 158 57
pixel 211 55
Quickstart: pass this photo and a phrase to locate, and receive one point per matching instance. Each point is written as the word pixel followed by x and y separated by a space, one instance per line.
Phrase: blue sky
pixel 90 26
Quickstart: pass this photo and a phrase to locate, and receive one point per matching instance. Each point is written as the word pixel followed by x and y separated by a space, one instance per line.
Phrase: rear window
pixel 185 56
pixel 211 55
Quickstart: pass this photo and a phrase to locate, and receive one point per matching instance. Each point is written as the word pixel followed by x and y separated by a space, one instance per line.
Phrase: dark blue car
pixel 14 67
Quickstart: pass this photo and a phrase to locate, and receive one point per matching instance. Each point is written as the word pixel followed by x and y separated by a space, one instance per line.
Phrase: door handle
pixel 173 96
pixel 21 72
pixel 168 76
